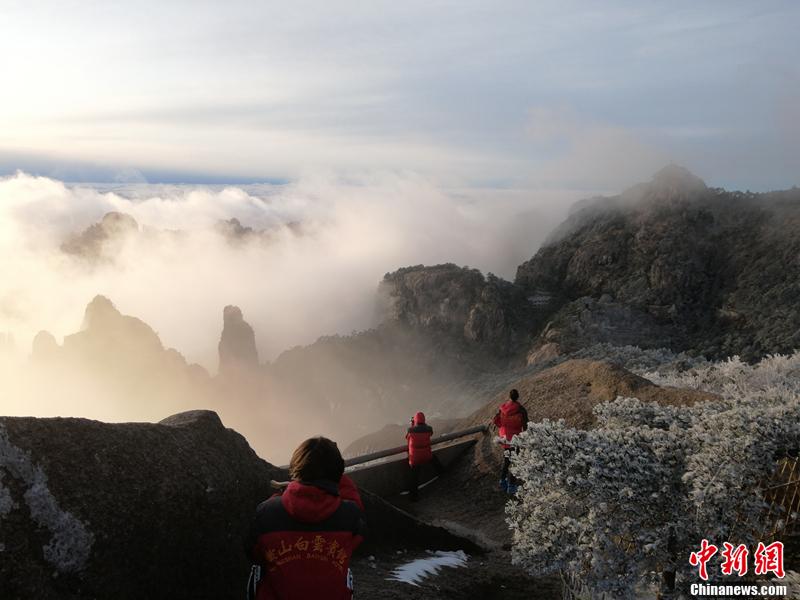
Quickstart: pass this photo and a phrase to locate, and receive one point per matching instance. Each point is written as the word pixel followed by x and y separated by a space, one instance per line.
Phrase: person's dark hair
pixel 514 395
pixel 317 458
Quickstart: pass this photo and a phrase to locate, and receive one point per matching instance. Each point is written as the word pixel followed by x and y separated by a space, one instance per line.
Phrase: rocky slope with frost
pixel 676 264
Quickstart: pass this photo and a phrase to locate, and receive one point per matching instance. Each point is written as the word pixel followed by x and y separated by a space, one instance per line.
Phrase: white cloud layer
pixel 292 287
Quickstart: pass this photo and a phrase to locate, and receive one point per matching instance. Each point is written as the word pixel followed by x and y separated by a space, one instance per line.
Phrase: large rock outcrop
pixel 108 334
pixel 102 240
pixel 460 302
pixel 134 510
pixel 237 344
pixel 684 265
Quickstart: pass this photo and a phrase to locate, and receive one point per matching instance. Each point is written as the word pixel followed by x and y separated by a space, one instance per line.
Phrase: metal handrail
pixel 350 462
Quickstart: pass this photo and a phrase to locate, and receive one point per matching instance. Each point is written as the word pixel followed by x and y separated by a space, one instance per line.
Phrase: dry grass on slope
pixel 571 390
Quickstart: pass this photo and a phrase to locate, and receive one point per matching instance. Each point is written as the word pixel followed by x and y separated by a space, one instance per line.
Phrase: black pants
pixel 413 490
pixel 507 463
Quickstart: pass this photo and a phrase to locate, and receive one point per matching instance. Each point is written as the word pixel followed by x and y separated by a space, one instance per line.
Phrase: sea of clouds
pixel 330 240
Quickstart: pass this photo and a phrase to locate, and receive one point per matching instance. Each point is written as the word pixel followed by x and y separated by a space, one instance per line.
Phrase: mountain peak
pixel 237 344
pixel 673 182
pixel 99 310
pixel 674 178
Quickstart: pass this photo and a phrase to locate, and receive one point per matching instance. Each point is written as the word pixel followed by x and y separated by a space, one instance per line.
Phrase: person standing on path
pixel 420 453
pixel 511 419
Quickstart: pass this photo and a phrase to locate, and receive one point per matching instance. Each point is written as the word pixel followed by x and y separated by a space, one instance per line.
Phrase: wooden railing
pixel 447 437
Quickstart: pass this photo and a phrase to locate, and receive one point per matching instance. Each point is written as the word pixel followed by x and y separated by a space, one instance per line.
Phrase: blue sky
pixel 544 95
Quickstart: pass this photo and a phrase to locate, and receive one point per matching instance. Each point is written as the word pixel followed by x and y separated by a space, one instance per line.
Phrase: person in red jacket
pixel 420 453
pixel 511 419
pixel 302 540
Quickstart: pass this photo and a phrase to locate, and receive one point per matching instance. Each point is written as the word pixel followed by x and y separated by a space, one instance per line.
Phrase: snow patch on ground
pixel 417 570
pixel 71 541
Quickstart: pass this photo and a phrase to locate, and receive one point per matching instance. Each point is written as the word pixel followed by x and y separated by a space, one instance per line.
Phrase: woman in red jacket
pixel 419 452
pixel 303 539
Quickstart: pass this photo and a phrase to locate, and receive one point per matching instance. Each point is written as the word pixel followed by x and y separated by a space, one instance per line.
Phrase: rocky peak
pixel 459 301
pixel 99 312
pixel 102 239
pixel 237 344
pixel 673 182
pixel 233 230
pixel 439 296
pixel 676 177
pixel 117 222
pixel 45 347
pixel 108 335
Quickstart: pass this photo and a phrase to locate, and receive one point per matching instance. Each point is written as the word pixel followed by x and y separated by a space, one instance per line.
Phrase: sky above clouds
pixel 545 95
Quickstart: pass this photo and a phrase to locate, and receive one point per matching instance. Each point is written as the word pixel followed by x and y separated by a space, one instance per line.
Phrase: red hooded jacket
pixel 419 441
pixel 349 491
pixel 303 541
pixel 511 419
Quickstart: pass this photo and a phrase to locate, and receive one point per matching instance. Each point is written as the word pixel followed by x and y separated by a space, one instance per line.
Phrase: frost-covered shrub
pixel 775 376
pixel 792 582
pixel 601 503
pixel 637 359
pixel 633 497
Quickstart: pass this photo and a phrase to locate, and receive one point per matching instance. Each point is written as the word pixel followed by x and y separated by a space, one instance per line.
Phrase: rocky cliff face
pixel 459 302
pixel 674 263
